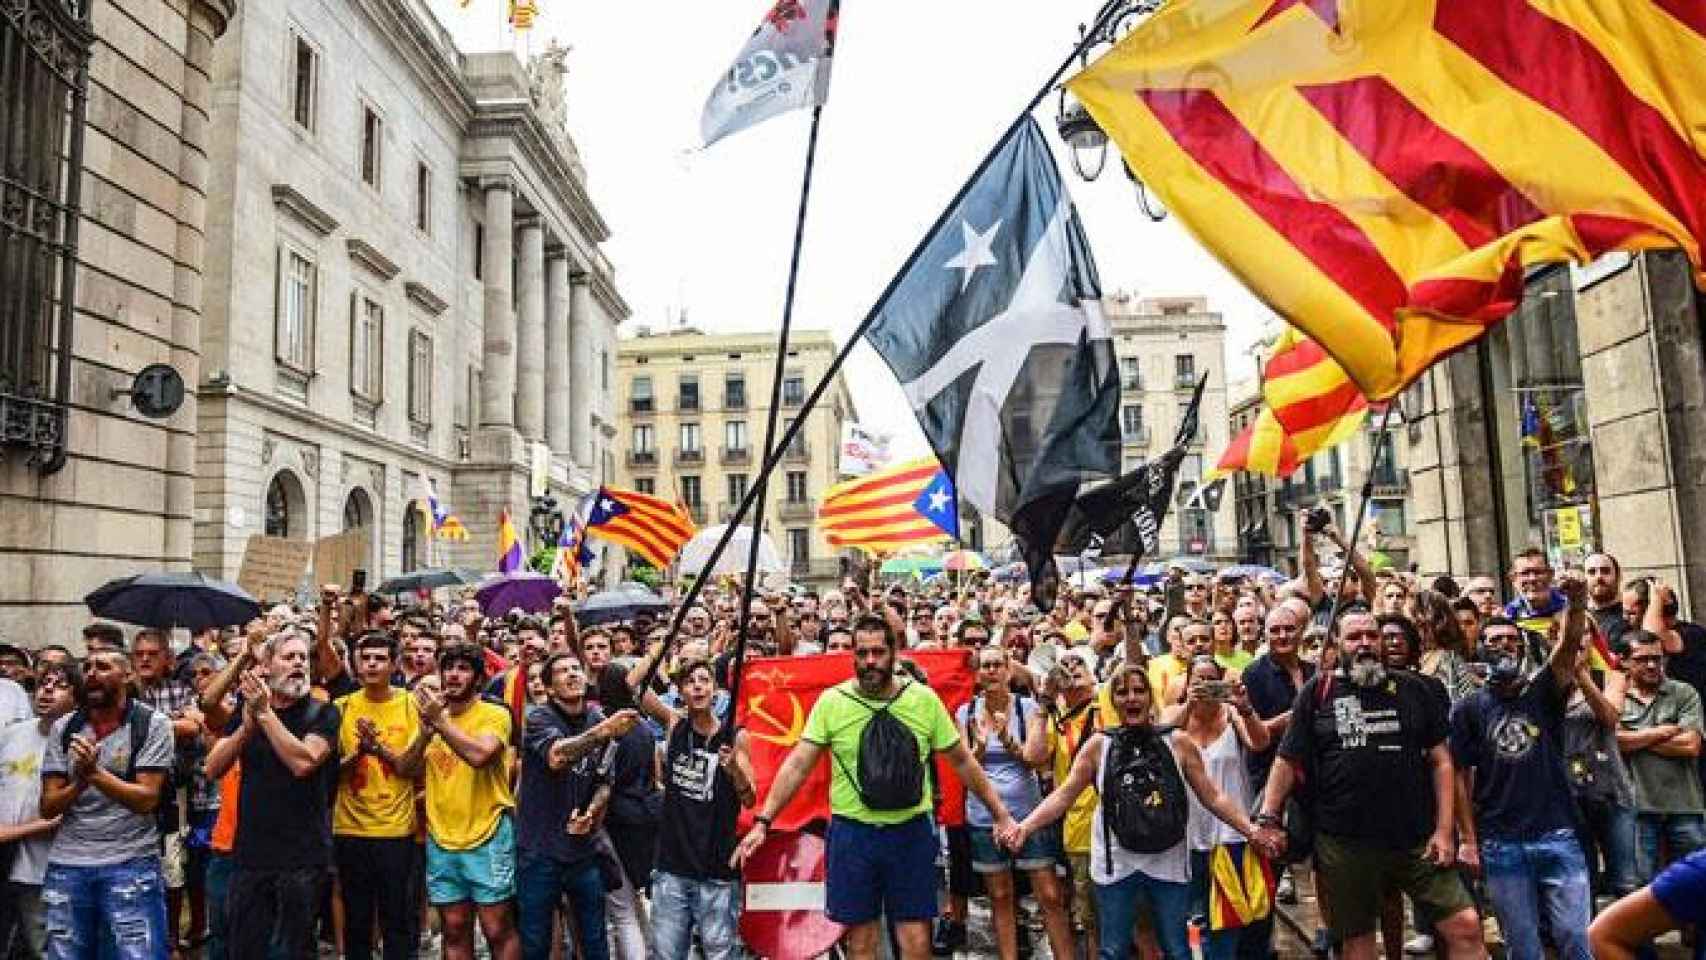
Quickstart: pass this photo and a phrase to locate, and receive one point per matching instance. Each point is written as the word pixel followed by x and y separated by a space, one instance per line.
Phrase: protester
pixel 23 830
pixel 1676 898
pixel 1661 741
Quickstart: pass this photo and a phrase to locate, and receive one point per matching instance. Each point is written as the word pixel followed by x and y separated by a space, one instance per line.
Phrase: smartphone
pixel 1217 690
pixel 358 581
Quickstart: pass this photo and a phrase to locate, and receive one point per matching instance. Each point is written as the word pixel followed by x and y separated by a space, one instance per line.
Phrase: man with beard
pixel 470 865
pixel 283 851
pixel 881 862
pixel 102 774
pixel 1605 595
pixel 562 804
pixel 22 827
pixel 1508 747
pixel 1372 743
pixel 373 822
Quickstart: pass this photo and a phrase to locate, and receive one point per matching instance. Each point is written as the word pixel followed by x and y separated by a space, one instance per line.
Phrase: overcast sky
pixel 921 92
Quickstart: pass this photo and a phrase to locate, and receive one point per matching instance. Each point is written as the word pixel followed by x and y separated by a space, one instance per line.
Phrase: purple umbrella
pixel 530 591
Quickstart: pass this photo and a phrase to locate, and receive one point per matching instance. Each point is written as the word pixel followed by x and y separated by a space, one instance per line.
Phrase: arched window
pixel 358 510
pixel 278 508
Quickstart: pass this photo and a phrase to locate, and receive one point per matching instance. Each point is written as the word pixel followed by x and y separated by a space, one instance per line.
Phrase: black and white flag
pixel 995 331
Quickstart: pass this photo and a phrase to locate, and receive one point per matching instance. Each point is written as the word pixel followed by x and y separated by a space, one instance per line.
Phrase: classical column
pixel 557 353
pixel 583 334
pixel 530 336
pixel 497 386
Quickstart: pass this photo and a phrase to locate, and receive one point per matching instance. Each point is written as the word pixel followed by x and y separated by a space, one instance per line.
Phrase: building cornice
pixel 369 256
pixel 401 24
pixel 424 297
pixel 220 13
pixel 400 452
pixel 291 200
pixel 515 120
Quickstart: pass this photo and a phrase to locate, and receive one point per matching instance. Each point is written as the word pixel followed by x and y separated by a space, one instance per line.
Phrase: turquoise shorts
pixel 484 875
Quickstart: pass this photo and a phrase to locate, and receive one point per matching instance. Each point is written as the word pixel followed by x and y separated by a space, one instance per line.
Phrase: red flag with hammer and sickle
pixel 778 694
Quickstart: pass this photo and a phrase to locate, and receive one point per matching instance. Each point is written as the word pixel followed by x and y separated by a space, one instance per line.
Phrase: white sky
pixel 921 91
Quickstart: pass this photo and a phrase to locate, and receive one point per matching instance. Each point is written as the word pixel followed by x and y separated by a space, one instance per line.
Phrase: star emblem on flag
pixel 979 251
pixel 1327 10
pixel 940 504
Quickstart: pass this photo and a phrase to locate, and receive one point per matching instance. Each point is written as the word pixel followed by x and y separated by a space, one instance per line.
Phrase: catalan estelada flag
pixel 903 506
pixel 509 545
pixel 1380 173
pixel 654 529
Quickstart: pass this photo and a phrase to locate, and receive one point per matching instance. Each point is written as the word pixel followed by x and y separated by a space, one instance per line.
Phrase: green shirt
pixel 1664 784
pixel 838 720
pixel 1237 660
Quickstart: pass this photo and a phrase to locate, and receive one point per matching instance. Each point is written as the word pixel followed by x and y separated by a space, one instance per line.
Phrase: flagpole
pixel 773 456
pixel 1356 528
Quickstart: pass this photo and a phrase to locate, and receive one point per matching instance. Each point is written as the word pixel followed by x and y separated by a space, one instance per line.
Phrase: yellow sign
pixel 1568 522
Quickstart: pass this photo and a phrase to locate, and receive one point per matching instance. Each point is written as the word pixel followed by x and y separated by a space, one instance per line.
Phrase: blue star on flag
pixel 939 504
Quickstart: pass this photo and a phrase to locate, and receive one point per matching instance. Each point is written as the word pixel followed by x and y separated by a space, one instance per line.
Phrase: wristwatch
pixel 766 820
pixel 1267 820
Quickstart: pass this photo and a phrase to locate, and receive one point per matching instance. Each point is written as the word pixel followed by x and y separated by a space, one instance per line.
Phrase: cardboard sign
pixel 273 566
pixel 337 558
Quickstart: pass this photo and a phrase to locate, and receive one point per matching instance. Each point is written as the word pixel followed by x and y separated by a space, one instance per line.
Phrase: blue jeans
pixel 544 881
pixel 1681 833
pixel 117 910
pixel 1116 908
pixel 680 905
pixel 220 866
pixel 1606 831
pixel 1527 877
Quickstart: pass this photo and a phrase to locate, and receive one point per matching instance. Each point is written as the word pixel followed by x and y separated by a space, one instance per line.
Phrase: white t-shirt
pixel 21 746
pixel 14 703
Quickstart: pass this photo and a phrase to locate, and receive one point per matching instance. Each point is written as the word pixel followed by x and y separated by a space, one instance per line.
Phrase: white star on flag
pixel 978 252
pixel 938 500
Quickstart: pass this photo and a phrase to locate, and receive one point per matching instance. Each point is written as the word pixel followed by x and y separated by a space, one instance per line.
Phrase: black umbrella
pixel 623 603
pixel 167 600
pixel 430 579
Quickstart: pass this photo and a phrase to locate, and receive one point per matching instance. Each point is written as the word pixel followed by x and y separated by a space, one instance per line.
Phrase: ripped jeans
pixel 116 911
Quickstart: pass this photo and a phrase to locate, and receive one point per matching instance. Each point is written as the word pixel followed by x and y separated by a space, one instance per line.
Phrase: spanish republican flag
pixel 509 544
pixel 777 694
pixel 1380 172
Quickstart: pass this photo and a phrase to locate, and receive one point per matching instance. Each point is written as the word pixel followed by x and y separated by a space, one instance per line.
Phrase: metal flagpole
pixel 749 589
pixel 774 456
pixel 1356 528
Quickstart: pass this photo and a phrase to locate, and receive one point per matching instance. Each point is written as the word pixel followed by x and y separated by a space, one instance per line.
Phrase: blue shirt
pixel 1681 889
pixel 549 797
pixel 1516 748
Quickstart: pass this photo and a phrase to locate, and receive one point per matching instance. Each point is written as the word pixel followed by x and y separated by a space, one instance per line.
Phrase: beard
pixel 291 687
pixel 875 679
pixel 1368 672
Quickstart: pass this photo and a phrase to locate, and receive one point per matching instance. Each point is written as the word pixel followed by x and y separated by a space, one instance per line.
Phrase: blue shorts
pixel 484 875
pixel 1041 851
pixel 875 871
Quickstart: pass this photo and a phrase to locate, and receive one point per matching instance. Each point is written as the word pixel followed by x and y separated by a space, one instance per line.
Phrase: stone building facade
pixel 1578 425
pixel 405 288
pixel 693 413
pixel 90 489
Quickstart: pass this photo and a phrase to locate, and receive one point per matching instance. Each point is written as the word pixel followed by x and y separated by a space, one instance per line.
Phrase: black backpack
pixel 891 772
pixel 1143 794
pixel 138 720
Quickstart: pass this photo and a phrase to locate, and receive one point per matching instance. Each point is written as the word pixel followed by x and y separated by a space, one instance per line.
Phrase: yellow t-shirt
pixel 465 805
pixel 1063 745
pixel 373 800
pixel 1163 670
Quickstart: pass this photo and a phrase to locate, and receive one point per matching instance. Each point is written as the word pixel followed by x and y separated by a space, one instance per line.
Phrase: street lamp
pixel 545 519
pixel 1086 139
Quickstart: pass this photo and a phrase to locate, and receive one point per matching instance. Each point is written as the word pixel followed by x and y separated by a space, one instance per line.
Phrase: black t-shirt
pixel 1689 666
pixel 1366 749
pixel 286 821
pixel 697 833
pixel 548 798
pixel 1271 694
pixel 1516 748
pixel 633 788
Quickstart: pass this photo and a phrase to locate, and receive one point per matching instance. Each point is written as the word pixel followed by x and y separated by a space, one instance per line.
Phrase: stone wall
pixel 122 504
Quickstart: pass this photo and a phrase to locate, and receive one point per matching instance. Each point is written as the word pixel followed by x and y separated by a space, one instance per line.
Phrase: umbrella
pixel 430 579
pixel 733 561
pixel 910 566
pixel 167 600
pixel 1012 573
pixel 1188 564
pixel 1117 574
pixel 1089 577
pixel 530 591
pixel 1252 571
pixel 622 603
pixel 960 561
pixel 1069 565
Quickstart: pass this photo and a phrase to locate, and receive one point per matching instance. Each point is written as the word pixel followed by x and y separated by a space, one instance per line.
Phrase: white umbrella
pixel 733 561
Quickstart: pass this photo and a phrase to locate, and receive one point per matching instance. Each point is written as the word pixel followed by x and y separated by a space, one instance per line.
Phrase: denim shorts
pixel 484 875
pixel 1040 851
pixel 874 871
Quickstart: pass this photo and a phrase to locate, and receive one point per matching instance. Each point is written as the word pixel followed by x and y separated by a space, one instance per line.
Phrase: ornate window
pixel 44 56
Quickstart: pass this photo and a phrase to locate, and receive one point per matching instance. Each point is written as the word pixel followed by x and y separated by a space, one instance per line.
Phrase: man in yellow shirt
pixel 470 837
pixel 373 821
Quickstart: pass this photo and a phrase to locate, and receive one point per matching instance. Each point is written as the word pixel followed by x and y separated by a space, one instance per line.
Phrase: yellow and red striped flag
pixel 1381 173
pixel 879 513
pixel 654 529
pixel 1309 405
pixel 1262 448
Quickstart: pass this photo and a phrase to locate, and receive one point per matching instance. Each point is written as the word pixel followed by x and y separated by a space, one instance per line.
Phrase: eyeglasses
pixel 1648 658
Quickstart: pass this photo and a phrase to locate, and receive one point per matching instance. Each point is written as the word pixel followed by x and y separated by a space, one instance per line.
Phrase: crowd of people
pixel 1150 769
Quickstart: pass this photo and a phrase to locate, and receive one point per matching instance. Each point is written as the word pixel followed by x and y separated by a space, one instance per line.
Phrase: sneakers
pixel 948 937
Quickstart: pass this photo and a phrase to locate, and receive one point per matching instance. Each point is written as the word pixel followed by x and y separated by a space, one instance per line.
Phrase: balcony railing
pixel 1392 483
pixel 646 459
pixel 734 456
pixel 799 509
pixel 796 453
pixel 697 512
pixel 1185 381
pixel 642 406
pixel 689 457
pixel 1134 384
pixel 687 402
pixel 1140 436
pixel 734 401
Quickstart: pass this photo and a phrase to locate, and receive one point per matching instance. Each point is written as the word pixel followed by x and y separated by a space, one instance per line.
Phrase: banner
pixel 863 450
pixel 777 696
pixel 784 66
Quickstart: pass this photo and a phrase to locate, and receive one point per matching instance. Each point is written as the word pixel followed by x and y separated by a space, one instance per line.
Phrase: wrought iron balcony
pixel 692 457
pixel 799 509
pixel 735 456
pixel 643 459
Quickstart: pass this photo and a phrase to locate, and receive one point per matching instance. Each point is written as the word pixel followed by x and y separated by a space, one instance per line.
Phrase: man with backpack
pixel 102 774
pixel 1369 746
pixel 880 733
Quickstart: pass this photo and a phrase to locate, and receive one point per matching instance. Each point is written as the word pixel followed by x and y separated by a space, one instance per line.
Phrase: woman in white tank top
pixel 1124 877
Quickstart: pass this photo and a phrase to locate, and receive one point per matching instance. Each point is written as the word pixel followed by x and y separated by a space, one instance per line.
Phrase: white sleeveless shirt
pixel 1223 761
pixel 1110 863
